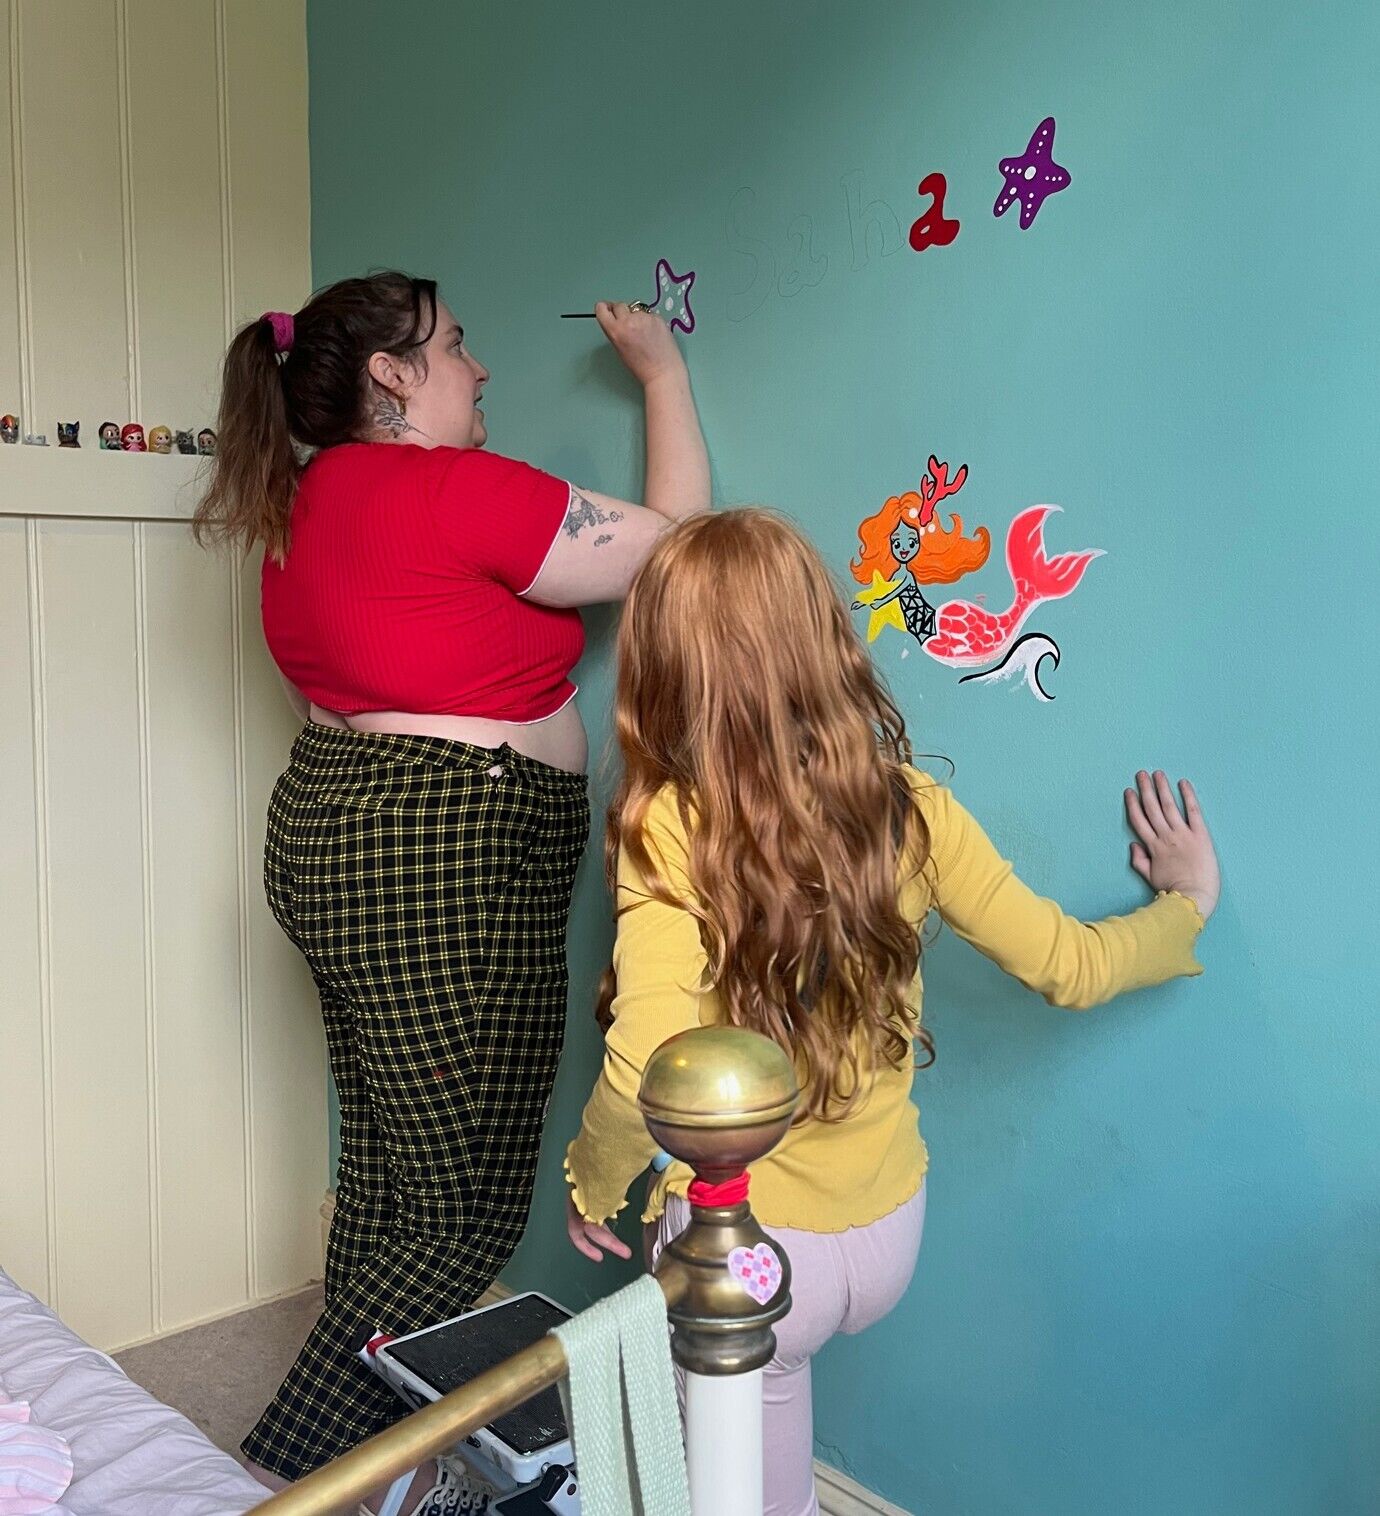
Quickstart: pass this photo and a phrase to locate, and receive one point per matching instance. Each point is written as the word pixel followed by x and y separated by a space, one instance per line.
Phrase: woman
pixel 419 599
pixel 774 855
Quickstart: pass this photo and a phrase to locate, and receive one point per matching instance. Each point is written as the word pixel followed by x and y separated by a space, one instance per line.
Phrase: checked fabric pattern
pixel 428 885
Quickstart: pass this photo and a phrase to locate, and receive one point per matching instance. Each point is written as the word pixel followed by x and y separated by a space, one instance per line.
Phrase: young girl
pixel 774 855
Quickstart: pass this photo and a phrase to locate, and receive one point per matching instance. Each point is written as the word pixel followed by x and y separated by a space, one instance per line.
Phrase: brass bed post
pixel 718 1098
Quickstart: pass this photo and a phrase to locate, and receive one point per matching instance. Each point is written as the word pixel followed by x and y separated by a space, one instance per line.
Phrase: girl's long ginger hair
pixel 742 685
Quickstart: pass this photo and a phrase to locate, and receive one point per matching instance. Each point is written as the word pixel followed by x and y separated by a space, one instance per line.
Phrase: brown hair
pixel 276 407
pixel 743 686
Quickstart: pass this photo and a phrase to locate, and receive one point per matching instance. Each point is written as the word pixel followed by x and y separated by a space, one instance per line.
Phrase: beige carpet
pixel 222 1375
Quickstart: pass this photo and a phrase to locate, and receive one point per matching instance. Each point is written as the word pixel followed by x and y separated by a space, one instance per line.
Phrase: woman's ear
pixel 387 372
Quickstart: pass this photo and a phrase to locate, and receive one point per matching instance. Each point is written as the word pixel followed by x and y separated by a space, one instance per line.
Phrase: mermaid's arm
pixel 865 598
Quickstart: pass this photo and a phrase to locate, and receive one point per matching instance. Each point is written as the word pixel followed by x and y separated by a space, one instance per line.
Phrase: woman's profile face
pixel 445 404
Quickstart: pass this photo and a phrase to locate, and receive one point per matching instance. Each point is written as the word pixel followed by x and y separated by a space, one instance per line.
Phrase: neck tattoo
pixel 388 420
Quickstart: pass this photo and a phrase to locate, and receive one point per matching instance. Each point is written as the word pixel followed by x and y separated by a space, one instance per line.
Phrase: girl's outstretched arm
pixel 1070 962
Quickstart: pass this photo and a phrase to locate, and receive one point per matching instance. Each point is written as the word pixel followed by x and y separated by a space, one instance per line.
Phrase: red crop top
pixel 403 582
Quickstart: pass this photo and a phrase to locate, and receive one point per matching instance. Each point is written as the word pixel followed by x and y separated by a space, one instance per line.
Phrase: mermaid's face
pixel 905 542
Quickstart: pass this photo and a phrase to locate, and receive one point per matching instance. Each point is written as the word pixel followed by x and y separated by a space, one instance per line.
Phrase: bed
pixel 132 1455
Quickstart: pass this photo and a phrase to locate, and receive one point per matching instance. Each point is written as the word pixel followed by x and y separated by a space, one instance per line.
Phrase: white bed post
pixel 723 1443
pixel 719 1098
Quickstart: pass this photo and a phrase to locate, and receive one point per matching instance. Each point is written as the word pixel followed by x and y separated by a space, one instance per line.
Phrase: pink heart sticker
pixel 758 1270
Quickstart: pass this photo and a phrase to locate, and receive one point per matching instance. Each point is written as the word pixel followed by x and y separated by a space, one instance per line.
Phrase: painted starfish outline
pixel 666 277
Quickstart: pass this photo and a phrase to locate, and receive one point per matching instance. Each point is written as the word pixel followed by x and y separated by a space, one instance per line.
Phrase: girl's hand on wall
pixel 1174 851
pixel 641 339
pixel 588 1237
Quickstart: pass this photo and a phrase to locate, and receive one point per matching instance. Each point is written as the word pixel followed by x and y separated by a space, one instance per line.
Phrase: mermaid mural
pixel 905 545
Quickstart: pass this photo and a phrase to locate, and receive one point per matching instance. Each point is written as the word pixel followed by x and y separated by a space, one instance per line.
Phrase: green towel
pixel 620 1401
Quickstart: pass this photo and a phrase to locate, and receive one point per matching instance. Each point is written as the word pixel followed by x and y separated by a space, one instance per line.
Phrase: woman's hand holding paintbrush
pixel 641 339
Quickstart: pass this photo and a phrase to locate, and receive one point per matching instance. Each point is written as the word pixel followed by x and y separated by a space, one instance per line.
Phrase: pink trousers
pixel 840 1282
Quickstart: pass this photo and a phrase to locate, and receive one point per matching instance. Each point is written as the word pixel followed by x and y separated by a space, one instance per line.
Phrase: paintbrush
pixel 636 305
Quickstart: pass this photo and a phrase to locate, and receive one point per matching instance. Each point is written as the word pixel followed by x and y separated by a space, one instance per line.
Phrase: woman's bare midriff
pixel 559 741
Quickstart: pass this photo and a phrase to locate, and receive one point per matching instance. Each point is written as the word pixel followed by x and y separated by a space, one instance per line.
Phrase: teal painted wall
pixel 1152 1267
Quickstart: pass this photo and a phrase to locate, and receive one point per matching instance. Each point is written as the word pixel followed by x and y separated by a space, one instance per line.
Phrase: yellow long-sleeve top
pixel 827 1176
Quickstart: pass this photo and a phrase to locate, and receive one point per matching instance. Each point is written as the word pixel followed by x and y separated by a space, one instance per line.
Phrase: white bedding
pixel 133 1456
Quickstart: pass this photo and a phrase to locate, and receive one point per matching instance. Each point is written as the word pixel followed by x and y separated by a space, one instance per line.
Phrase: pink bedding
pixel 132 1455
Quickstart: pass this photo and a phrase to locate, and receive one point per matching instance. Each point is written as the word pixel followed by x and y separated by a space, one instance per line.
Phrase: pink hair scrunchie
pixel 284 329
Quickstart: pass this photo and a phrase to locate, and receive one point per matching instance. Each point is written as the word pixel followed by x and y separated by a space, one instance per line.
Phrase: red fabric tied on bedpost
pixel 729 1192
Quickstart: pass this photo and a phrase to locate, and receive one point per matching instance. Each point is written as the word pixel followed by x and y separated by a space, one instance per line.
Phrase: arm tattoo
pixel 583 513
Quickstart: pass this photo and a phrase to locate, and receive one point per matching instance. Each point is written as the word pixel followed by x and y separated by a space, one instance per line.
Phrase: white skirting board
pixel 838 1494
pixel 841 1496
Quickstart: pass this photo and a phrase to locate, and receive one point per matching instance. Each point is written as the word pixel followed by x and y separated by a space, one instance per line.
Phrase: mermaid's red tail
pixel 967 634
pixel 1035 576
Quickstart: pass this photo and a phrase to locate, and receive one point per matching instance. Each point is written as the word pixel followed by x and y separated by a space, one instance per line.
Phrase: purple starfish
pixel 1032 176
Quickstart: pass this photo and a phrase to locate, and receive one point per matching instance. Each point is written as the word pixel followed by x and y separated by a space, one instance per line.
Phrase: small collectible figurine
pixel 69 433
pixel 186 442
pixel 206 442
pixel 35 439
pixel 160 440
pixel 132 438
pixel 9 428
pixel 110 437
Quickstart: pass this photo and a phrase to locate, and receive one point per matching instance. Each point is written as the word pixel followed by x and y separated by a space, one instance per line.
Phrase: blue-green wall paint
pixel 1150 1278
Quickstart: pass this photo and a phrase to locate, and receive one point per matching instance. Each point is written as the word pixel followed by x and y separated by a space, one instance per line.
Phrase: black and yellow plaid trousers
pixel 427 883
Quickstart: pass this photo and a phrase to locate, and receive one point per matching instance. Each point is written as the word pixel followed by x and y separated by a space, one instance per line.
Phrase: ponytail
pixel 295 384
pixel 255 470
